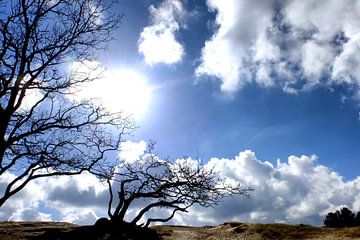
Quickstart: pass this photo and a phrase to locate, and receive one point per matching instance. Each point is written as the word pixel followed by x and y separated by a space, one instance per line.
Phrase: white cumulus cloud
pixel 29 214
pixel 158 42
pixel 295 45
pixel 297 191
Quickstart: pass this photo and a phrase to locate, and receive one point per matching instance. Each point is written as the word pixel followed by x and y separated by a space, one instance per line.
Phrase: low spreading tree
pixel 343 218
pixel 175 186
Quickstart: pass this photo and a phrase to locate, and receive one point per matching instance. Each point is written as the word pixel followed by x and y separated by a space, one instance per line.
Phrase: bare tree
pixel 52 135
pixel 162 184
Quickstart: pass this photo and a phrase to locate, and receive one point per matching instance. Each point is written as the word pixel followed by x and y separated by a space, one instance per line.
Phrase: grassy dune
pixel 231 231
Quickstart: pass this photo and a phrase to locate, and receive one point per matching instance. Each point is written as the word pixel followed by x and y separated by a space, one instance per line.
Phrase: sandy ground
pixel 231 231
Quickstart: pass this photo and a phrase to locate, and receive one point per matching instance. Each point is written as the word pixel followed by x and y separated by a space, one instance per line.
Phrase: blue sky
pixel 266 91
pixel 191 115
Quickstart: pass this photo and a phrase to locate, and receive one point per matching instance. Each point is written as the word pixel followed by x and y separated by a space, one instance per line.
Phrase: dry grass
pixel 230 231
pixel 243 231
pixel 30 230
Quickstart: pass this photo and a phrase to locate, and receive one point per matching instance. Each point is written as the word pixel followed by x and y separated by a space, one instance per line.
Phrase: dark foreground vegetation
pixel 342 218
pixel 231 231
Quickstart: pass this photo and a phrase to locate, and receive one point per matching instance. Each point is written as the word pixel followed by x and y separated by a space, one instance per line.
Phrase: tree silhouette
pixel 50 134
pixel 168 185
pixel 342 218
pixel 357 219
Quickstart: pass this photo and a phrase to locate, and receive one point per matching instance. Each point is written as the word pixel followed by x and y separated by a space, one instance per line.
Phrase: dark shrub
pixel 343 218
pixel 357 219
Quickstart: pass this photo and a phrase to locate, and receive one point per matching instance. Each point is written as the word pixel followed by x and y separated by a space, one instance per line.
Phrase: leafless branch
pixel 54 135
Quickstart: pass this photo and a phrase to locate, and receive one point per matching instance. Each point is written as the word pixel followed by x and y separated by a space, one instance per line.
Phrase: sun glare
pixel 126 90
pixel 121 90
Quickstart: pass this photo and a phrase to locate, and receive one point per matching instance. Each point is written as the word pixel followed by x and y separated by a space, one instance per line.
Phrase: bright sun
pixel 121 90
pixel 126 90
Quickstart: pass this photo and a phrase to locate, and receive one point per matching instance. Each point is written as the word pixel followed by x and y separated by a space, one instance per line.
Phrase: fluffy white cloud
pixel 29 214
pixel 240 26
pixel 78 199
pixel 316 60
pixel 23 205
pixel 297 191
pixel 82 216
pixel 158 43
pixel 131 151
pixel 346 64
pixel 312 42
pixel 84 191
